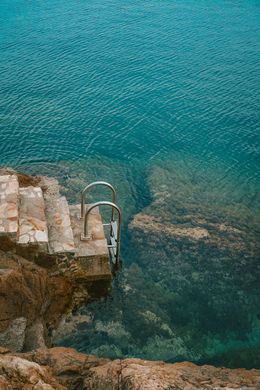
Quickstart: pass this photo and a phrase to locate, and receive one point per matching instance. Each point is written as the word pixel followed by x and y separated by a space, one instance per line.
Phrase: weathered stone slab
pixel 9 190
pixel 59 226
pixel 92 256
pixel 32 221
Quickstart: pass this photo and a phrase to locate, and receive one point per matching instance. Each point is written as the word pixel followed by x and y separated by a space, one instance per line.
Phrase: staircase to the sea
pixel 39 224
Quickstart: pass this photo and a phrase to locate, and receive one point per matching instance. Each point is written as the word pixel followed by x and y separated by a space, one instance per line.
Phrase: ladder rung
pixel 114 229
pixel 113 245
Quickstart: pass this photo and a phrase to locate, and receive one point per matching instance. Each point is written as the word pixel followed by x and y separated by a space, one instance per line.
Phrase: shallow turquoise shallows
pixel 161 98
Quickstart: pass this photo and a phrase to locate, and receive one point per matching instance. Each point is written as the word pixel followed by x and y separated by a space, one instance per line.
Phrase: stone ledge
pixel 32 221
pixel 59 226
pixel 9 189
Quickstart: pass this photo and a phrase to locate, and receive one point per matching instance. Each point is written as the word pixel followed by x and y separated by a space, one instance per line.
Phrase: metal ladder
pixel 115 225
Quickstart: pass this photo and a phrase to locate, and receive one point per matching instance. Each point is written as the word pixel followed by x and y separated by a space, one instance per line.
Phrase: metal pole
pixel 88 187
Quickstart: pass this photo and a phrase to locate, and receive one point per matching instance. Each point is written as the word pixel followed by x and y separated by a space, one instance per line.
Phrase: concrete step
pixel 59 226
pixel 92 255
pixel 32 222
pixel 9 192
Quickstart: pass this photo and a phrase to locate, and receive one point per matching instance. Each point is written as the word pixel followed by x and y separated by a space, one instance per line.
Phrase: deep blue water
pixel 137 93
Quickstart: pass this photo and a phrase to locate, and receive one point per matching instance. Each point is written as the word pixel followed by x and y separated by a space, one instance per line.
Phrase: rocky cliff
pixel 31 302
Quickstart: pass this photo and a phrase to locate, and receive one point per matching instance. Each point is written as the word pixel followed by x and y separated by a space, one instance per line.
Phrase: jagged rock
pixel 69 367
pixel 134 374
pixel 59 298
pixel 13 337
pixel 20 374
pixel 76 371
pixel 4 350
pixel 33 300
pixel 28 295
pixel 22 289
pixel 34 336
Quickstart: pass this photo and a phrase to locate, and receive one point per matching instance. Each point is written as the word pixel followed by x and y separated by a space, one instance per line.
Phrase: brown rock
pixel 4 384
pixel 20 374
pixel 24 180
pixel 69 366
pixel 13 337
pixel 78 371
pixel 150 224
pixel 60 294
pixel 35 336
pixel 135 374
pixel 22 289
pixel 28 295
pixel 4 351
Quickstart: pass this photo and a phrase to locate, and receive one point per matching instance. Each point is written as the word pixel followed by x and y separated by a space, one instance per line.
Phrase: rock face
pixel 29 300
pixel 63 368
pixel 18 373
pixel 22 288
pixel 14 336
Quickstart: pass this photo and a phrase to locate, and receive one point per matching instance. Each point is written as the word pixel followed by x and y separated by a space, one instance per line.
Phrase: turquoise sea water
pixel 162 99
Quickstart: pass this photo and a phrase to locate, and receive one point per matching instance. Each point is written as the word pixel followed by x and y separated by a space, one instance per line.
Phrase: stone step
pixel 91 255
pixel 9 193
pixel 32 222
pixel 59 226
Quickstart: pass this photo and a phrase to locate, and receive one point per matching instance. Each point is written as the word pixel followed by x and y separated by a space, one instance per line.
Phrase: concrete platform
pixel 91 255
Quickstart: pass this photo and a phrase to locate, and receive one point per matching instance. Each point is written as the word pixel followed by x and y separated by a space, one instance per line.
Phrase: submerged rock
pixel 152 225
pixel 198 248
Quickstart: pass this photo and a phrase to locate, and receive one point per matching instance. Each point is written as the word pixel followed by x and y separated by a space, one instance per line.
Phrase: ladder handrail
pixel 114 206
pixel 88 187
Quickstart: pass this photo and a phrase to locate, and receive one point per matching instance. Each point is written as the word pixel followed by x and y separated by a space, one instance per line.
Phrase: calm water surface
pixel 162 99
